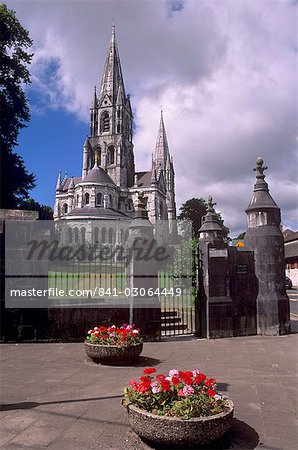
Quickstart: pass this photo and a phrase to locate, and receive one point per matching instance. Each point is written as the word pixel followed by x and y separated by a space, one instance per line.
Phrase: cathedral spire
pixel 161 149
pixel 112 77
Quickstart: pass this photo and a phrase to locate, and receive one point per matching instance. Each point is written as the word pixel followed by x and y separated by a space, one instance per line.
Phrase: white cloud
pixel 224 72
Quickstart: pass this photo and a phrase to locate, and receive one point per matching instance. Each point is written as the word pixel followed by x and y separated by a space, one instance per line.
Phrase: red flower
pixel 160 377
pixel 143 387
pixel 200 377
pixel 149 371
pixel 102 328
pixel 186 377
pixel 123 338
pixel 210 392
pixel 145 379
pixel 104 336
pixel 175 381
pixel 134 384
pixel 165 385
pixel 210 382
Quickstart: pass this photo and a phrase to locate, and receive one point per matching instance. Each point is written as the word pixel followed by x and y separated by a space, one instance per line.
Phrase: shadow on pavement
pixel 31 405
pixel 142 361
pixel 241 436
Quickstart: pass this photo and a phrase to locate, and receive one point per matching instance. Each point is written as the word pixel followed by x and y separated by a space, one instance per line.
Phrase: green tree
pixel 16 181
pixel 45 212
pixel 241 235
pixel 193 210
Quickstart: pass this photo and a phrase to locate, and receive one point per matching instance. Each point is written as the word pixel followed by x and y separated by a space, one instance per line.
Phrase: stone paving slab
pixel 53 397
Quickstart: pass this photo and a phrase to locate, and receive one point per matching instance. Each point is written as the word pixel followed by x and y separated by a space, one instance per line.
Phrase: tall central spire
pixel 161 148
pixel 112 78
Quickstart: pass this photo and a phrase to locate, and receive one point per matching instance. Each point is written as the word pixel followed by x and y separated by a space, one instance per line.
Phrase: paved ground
pixel 53 398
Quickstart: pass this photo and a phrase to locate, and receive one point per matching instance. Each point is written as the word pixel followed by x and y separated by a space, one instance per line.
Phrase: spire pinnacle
pixel 260 184
pixel 58 185
pixel 161 148
pixel 112 76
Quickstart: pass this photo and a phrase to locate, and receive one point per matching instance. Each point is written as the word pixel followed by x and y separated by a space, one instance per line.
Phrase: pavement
pixel 53 397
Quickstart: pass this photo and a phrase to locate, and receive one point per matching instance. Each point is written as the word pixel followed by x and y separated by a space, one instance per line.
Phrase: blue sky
pixel 225 74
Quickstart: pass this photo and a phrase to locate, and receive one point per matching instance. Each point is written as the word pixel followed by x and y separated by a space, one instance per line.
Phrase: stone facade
pixel 109 185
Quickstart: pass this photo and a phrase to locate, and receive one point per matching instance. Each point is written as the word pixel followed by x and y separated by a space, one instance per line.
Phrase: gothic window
pixel 83 234
pixel 129 205
pixel 118 127
pixel 105 122
pixel 98 199
pixel 111 155
pixel 65 208
pixel 95 235
pixel 111 200
pixel 103 234
pixel 69 235
pixel 111 232
pixel 87 198
pixel 97 154
pixel 78 200
pixel 76 235
pixel 118 113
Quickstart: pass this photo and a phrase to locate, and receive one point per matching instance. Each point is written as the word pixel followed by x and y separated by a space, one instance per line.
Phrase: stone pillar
pixel 214 315
pixel 265 238
pixel 143 275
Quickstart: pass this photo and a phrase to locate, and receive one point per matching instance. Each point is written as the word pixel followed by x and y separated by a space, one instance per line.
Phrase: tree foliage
pixel 14 56
pixel 194 209
pixel 45 212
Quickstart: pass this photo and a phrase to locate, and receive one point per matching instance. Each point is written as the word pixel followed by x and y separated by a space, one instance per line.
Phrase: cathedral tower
pixel 111 124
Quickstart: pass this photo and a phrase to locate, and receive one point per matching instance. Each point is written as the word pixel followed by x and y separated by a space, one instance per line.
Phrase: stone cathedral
pixel 109 186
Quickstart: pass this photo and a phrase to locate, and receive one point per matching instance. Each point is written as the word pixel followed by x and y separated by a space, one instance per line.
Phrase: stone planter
pixel 177 432
pixel 113 354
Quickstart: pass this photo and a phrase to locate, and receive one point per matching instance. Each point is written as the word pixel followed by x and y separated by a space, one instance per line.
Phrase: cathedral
pixel 109 186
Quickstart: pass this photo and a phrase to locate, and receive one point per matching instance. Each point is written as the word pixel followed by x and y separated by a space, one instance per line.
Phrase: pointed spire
pixel 161 148
pixel 120 96
pixel 86 143
pixel 58 185
pixel 94 100
pixel 71 184
pixel 112 76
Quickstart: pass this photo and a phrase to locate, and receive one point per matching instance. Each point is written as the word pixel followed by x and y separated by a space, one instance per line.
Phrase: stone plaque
pixel 215 253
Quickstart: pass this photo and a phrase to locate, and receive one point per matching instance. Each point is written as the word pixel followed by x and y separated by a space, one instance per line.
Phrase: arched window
pixel 105 122
pixel 83 234
pixel 97 155
pixel 111 200
pixel 76 235
pixel 103 234
pixel 69 235
pixel 111 155
pixel 95 235
pixel 98 198
pixel 77 200
pixel 118 127
pixel 129 205
pixel 111 233
pixel 118 113
pixel 65 208
pixel 87 197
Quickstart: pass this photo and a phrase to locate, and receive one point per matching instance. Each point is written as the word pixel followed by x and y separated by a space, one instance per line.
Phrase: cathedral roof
pixel 144 179
pixel 67 182
pixel 97 175
pixel 97 213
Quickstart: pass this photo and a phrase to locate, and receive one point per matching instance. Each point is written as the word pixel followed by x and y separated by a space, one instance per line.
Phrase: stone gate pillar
pixel 265 238
pixel 142 276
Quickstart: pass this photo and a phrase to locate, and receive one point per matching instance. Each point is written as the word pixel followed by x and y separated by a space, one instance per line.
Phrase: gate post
pixel 214 297
pixel 145 311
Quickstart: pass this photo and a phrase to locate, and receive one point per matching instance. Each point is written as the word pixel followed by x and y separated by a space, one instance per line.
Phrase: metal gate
pixel 178 312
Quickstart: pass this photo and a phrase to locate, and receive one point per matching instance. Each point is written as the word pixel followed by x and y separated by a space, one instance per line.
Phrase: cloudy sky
pixel 224 72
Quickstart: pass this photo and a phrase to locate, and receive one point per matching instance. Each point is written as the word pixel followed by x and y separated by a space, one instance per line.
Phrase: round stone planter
pixel 177 432
pixel 113 354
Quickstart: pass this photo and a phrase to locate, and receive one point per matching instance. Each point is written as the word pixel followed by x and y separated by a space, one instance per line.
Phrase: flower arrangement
pixel 124 336
pixel 185 395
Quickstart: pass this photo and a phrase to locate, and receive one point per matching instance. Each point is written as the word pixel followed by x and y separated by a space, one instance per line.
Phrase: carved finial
pixel 141 200
pixel 260 168
pixel 113 31
pixel 210 205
